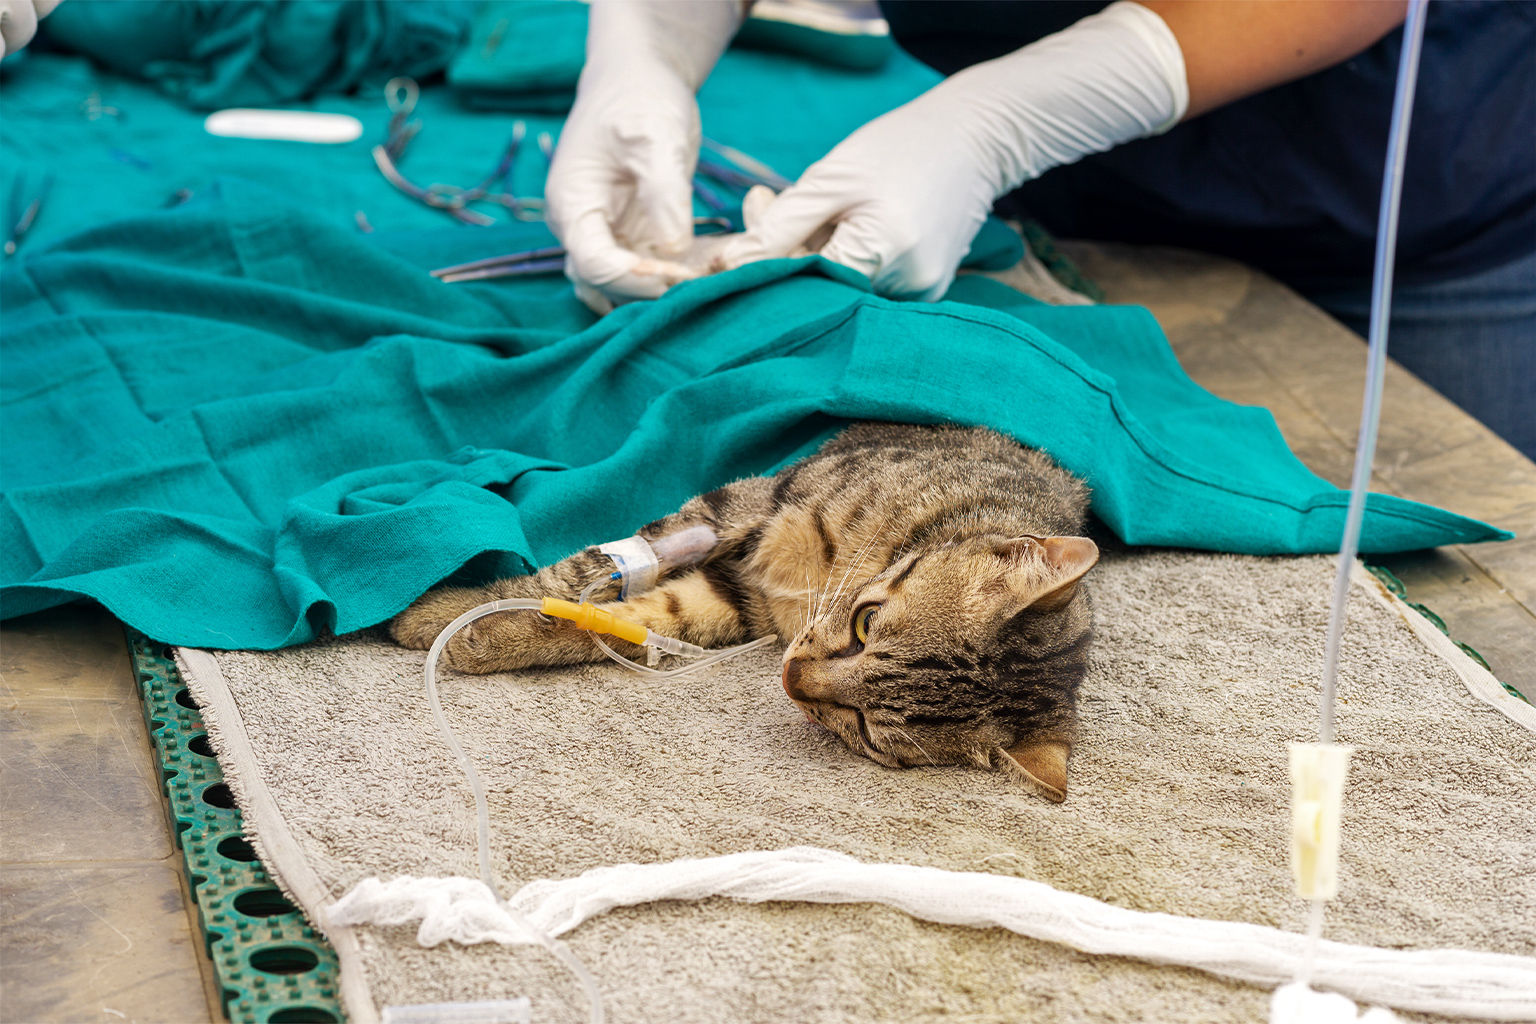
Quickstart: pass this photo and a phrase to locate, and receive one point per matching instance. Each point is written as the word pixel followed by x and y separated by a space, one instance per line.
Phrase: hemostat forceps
pixel 531 261
pixel 402 94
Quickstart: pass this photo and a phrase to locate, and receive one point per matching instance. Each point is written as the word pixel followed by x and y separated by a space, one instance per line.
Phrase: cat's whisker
pixel 853 562
pixel 821 590
pixel 812 592
pixel 829 593
pixel 807 603
pixel 816 602
pixel 870 540
pixel 875 536
pixel 837 593
pixel 914 742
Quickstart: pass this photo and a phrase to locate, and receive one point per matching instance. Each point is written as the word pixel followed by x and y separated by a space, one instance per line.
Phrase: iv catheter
pixel 1318 770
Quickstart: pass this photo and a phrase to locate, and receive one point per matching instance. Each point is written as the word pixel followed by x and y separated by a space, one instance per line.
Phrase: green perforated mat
pixel 272 966
pixel 1396 586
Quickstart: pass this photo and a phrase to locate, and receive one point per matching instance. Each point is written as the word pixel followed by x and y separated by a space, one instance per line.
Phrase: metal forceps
pixel 401 95
pixel 532 261
pixel 720 165
pixel 731 166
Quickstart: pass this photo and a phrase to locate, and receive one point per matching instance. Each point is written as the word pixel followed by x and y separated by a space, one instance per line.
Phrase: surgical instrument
pixel 717 163
pixel 751 169
pixel 402 94
pixel 532 261
pixel 23 212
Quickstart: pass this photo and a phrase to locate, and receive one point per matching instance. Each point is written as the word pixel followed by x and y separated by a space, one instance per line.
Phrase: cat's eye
pixel 861 621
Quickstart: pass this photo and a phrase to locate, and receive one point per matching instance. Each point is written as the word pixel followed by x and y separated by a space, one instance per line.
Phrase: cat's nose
pixel 792 679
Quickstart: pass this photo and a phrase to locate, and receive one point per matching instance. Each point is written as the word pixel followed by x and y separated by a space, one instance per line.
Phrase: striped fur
pixel 968 544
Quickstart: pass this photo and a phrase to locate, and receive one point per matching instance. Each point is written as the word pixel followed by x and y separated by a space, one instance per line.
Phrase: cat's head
pixel 969 652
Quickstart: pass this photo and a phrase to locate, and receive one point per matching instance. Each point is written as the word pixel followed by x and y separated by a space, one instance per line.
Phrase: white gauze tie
pixel 1457 983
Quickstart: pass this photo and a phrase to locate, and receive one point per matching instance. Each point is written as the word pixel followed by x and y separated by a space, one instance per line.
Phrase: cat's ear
pixel 1041 763
pixel 1072 556
pixel 1069 557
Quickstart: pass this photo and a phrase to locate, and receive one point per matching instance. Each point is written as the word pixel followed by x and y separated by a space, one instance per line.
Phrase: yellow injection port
pixel 589 616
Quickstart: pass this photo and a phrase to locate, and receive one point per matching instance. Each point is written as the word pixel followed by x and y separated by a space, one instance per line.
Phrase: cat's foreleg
pixel 420 624
pixel 688 607
pixel 700 607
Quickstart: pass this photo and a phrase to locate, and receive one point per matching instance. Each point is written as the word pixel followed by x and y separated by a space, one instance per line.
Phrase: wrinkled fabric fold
pixel 236 426
pixel 234 53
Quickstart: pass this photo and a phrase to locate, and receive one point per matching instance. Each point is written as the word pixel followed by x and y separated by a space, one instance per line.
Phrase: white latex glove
pixel 906 193
pixel 18 22
pixel 620 191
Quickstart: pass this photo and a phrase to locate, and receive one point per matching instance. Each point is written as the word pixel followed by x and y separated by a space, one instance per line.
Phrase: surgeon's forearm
pixel 1235 48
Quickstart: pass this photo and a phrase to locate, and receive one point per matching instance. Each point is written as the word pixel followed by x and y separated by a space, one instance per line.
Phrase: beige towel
pixel 1205 665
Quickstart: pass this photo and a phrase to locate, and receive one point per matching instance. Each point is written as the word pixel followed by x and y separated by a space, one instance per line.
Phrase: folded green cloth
pixel 210 54
pixel 526 55
pixel 771 30
pixel 522 55
pixel 236 426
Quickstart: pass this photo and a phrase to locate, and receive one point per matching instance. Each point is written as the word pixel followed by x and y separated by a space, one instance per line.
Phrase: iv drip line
pixel 1370 413
pixel 1376 358
pixel 559 949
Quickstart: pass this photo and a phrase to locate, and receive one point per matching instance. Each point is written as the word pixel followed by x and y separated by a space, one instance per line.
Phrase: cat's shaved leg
pixel 732 513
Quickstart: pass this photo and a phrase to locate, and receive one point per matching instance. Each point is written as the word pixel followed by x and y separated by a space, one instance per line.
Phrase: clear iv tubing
pixel 714 657
pixel 560 950
pixel 1370 414
pixel 1376 359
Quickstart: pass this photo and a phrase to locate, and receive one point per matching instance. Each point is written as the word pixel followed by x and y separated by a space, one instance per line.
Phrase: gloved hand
pixel 18 22
pixel 905 194
pixel 620 191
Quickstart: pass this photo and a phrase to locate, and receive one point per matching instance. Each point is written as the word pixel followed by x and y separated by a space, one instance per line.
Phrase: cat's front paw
pixel 495 643
pixel 505 641
pixel 418 626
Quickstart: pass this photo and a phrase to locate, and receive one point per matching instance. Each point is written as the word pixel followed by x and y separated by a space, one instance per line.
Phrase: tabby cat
pixel 930 577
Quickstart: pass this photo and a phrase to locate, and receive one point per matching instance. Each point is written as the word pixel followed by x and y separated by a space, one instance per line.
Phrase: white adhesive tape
pixel 638 565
